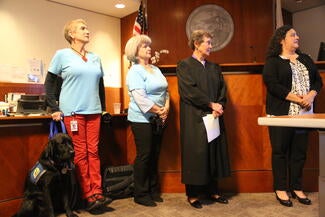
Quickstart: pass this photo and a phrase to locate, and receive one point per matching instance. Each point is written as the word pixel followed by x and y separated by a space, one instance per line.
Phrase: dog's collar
pixel 67 166
pixel 36 172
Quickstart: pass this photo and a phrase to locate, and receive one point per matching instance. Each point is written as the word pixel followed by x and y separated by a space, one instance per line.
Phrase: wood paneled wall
pixel 249 146
pixel 253 26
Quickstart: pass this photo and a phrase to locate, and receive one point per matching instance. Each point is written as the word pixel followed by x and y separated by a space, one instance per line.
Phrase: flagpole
pixel 279 18
pixel 146 14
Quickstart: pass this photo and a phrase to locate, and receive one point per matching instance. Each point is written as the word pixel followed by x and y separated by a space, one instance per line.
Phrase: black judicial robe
pixel 197 86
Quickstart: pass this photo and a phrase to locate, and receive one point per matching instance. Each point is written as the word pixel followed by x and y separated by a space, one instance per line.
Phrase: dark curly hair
pixel 275 47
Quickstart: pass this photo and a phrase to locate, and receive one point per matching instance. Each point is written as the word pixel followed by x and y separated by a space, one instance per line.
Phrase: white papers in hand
pixel 212 127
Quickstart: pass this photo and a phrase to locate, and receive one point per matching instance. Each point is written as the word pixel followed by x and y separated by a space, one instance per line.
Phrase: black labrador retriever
pixel 48 186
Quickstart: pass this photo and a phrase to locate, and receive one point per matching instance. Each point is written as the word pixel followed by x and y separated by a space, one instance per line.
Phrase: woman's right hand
pixel 163 113
pixel 57 116
pixel 217 109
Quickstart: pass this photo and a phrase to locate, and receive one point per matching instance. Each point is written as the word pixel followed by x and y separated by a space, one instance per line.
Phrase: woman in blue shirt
pixel 81 102
pixel 149 98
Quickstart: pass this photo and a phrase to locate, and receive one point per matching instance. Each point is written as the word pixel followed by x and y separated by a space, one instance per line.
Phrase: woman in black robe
pixel 202 91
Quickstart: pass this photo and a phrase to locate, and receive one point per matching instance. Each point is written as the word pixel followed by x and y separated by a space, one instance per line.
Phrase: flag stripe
pixel 140 24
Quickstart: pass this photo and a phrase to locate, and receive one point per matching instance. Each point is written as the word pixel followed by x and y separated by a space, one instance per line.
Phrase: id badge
pixel 74 125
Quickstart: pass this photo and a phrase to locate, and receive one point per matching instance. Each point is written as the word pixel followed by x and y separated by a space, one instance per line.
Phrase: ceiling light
pixel 120 5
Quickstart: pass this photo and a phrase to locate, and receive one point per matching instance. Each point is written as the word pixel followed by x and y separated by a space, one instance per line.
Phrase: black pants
pixel 198 190
pixel 289 147
pixel 146 161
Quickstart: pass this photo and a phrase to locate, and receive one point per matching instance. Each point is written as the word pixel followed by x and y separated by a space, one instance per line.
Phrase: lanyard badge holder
pixel 73 123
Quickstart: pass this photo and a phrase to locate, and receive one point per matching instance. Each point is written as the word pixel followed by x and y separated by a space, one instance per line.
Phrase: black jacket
pixel 277 76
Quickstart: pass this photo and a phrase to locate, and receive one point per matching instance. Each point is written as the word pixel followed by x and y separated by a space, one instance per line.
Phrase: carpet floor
pixel 243 205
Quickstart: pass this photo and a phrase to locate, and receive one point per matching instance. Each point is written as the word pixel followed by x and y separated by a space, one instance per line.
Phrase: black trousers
pixel 146 161
pixel 289 148
pixel 198 190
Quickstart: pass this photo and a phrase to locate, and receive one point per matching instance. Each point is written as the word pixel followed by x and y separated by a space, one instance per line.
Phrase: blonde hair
pixel 70 27
pixel 132 46
pixel 197 36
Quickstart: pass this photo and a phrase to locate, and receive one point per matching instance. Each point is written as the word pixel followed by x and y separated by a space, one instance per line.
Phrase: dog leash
pixel 54 128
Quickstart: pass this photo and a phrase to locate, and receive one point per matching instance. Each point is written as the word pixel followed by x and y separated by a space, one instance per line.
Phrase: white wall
pixel 34 29
pixel 310 25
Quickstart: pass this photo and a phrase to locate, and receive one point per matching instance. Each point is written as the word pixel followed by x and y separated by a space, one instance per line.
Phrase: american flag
pixel 140 24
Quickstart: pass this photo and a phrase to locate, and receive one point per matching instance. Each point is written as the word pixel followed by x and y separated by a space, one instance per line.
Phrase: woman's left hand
pixel 164 113
pixel 57 116
pixel 309 99
pixel 217 109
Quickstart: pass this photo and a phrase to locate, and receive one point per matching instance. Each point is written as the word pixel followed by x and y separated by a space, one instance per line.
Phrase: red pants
pixel 86 159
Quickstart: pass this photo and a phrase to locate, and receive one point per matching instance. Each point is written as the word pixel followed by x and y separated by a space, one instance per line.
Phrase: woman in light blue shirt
pixel 81 103
pixel 147 112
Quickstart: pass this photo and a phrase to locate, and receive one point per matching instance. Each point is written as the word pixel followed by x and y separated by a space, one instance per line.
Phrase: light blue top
pixel 80 87
pixel 155 85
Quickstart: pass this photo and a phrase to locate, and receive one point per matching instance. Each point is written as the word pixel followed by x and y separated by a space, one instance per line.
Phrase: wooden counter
pixel 316 121
pixel 21 139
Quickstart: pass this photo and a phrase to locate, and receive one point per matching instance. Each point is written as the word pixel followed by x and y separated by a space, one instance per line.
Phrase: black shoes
pixel 96 201
pixel 157 198
pixel 287 203
pixel 305 200
pixel 220 199
pixel 91 205
pixel 196 203
pixel 102 199
pixel 145 201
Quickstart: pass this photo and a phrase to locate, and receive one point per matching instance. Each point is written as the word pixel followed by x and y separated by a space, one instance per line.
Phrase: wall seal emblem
pixel 213 19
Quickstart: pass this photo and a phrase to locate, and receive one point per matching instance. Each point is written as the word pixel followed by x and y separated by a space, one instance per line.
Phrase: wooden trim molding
pixel 234 68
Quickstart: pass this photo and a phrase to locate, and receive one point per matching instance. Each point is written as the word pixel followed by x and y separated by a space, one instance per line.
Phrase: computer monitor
pixel 321 52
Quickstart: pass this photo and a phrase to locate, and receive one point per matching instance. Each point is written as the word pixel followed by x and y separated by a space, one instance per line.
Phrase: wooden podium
pixel 316 121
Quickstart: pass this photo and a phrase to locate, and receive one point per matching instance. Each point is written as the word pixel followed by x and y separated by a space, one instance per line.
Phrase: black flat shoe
pixel 287 203
pixel 196 203
pixel 305 201
pixel 157 198
pixel 93 205
pixel 220 199
pixel 102 199
pixel 145 201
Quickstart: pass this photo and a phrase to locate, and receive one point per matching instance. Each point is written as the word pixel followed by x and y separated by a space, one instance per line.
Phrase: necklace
pixel 83 56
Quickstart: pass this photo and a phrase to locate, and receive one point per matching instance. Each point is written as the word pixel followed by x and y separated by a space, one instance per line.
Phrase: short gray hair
pixel 197 36
pixel 132 46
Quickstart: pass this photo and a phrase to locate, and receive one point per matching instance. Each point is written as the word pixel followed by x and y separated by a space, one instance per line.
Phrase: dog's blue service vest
pixel 36 172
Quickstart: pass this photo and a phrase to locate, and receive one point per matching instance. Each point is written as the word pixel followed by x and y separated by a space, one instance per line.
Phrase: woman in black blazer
pixel 292 83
